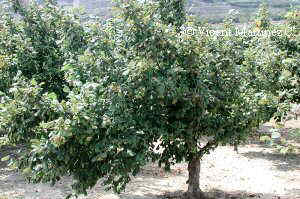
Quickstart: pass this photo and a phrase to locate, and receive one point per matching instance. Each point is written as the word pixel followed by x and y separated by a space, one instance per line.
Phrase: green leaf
pixel 66 89
pixel 26 171
pixel 67 67
pixel 161 91
pixel 100 157
pixel 52 96
pixel 285 75
pixel 35 141
pixel 6 158
pixel 33 82
pixel 130 153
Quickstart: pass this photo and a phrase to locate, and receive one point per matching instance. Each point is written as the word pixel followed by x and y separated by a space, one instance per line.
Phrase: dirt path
pixel 255 170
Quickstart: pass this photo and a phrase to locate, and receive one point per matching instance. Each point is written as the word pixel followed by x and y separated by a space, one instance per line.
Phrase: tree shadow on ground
pixel 211 194
pixel 282 162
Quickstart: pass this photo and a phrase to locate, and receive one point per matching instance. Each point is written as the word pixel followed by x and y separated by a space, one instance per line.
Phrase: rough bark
pixel 194 191
pixel 194 175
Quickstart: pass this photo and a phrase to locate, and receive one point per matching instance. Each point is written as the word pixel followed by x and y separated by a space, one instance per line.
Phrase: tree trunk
pixel 194 176
pixel 235 147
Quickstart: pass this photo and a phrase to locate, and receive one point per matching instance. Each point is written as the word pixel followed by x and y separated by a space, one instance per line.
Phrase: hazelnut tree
pixel 135 89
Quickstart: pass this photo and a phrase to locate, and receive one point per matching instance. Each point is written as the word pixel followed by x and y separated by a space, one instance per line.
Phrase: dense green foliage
pixel 100 100
pixel 277 59
pixel 35 47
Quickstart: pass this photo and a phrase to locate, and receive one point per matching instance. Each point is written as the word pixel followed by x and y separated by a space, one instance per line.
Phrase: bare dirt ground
pixel 258 171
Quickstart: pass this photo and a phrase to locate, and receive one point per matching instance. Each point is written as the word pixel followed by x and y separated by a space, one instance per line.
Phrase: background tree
pixel 34 47
pixel 274 55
